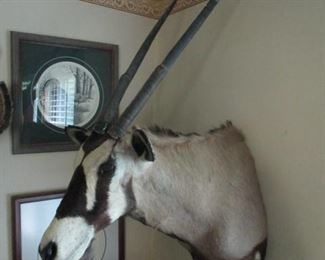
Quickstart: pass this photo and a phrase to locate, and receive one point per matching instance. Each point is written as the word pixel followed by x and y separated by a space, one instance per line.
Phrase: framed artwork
pixel 58 82
pixel 31 215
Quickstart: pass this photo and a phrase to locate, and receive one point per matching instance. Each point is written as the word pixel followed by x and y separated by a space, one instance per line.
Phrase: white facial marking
pixel 91 181
pixel 117 200
pixel 90 167
pixel 79 157
pixel 125 166
pixel 72 236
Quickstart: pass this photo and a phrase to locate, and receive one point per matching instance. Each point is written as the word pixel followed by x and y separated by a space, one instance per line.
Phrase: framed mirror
pixel 58 82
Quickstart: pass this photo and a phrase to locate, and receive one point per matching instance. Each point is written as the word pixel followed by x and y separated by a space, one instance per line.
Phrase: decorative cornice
pixel 149 8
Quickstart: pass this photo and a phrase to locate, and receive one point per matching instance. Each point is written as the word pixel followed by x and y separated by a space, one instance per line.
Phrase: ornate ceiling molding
pixel 149 8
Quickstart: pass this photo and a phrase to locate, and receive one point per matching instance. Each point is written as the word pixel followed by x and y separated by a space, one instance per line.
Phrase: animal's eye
pixel 107 167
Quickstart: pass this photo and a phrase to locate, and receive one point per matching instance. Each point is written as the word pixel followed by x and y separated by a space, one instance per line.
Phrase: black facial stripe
pixel 94 141
pixel 107 167
pixel 105 174
pixel 75 201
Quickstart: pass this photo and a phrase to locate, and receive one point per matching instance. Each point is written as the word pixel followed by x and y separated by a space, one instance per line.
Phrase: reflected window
pixel 57 102
pixel 66 93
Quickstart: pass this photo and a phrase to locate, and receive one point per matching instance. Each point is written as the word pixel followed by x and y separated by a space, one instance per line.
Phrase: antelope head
pixel 107 160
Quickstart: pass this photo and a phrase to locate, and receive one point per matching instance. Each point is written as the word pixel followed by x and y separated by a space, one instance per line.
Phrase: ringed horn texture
pixel 117 129
pixel 127 77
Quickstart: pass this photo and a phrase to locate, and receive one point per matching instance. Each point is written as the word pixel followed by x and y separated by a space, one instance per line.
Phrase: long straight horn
pixel 118 129
pixel 127 77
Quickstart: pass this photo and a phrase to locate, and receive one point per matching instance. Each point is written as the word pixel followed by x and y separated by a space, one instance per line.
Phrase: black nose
pixel 48 252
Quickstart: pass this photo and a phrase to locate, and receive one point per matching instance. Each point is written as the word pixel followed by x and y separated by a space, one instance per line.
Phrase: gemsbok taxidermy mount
pixel 199 189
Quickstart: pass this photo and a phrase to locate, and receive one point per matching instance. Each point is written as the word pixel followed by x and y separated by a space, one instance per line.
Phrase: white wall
pixel 260 63
pixel 71 19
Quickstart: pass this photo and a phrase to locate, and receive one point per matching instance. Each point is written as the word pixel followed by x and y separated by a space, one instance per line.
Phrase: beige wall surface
pixel 260 63
pixel 71 19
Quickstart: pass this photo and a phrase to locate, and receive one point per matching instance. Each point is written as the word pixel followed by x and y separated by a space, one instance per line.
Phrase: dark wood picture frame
pixel 32 56
pixel 5 107
pixel 18 200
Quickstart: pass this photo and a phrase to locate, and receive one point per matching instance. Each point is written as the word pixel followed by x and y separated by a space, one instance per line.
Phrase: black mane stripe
pixel 161 131
pixel 221 127
pixel 166 132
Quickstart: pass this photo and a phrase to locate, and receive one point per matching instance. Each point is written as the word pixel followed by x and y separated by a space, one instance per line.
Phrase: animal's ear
pixel 141 145
pixel 77 134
